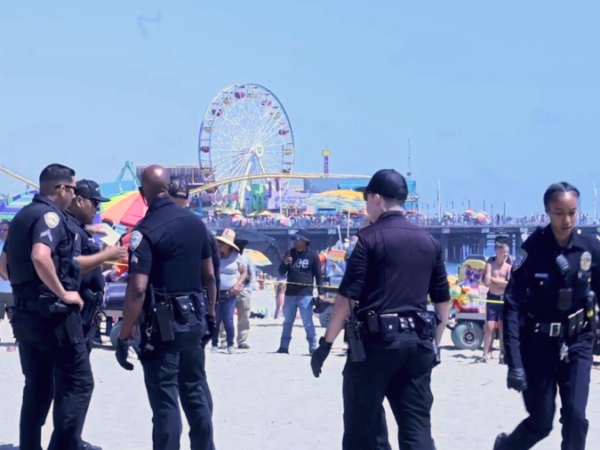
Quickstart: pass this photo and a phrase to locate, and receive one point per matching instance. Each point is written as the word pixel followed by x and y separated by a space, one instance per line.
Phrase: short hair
pixel 502 240
pixel 392 201
pixel 53 175
pixel 4 222
pixel 559 188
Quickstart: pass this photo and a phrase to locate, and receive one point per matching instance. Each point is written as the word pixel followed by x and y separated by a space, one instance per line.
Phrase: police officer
pixel 167 251
pixel 81 213
pixel 391 334
pixel 549 324
pixel 47 323
pixel 180 194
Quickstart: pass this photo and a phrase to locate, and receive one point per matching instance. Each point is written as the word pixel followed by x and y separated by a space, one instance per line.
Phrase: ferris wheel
pixel 245 131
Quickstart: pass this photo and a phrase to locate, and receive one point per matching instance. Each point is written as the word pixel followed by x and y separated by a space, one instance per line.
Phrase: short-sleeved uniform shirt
pixel 93 279
pixel 40 222
pixel 394 266
pixel 169 245
pixel 536 280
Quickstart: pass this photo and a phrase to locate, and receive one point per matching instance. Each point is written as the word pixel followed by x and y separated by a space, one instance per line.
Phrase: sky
pixel 498 99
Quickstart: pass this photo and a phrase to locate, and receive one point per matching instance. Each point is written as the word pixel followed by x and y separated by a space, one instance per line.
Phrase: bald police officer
pixel 393 338
pixel 39 257
pixel 168 252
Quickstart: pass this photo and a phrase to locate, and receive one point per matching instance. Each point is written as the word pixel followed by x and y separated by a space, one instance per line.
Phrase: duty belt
pixel 23 304
pixel 573 326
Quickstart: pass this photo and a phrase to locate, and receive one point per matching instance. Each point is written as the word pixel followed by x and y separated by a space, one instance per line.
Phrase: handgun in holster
pixel 356 343
pixel 162 316
pixel 91 305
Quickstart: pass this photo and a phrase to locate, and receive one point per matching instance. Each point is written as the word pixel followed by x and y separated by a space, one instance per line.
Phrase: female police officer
pixel 549 315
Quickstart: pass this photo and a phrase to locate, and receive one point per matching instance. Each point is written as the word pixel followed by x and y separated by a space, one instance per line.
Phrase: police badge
pixel 519 260
pixel 585 262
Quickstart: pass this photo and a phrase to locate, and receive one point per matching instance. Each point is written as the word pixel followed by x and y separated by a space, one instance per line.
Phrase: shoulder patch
pixel 51 219
pixel 136 239
pixel 519 260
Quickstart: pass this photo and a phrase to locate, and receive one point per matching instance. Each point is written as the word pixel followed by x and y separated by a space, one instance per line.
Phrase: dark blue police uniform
pixel 54 360
pixel 169 245
pixel 548 314
pixel 92 285
pixel 392 269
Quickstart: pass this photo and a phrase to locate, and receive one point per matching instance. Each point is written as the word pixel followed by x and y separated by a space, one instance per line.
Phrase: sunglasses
pixel 3 230
pixel 366 195
pixel 67 186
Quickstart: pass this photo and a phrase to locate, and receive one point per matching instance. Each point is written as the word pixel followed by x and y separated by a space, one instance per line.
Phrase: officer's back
pixel 401 260
pixel 176 248
pixel 392 338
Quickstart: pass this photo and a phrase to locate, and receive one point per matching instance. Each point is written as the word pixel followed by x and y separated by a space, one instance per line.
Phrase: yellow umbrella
pixel 257 258
pixel 232 212
pixel 265 213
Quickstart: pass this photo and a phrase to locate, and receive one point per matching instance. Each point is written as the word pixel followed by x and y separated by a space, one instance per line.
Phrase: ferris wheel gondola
pixel 245 131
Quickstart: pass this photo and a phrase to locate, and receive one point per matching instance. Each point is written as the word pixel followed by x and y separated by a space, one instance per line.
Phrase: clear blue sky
pixel 499 99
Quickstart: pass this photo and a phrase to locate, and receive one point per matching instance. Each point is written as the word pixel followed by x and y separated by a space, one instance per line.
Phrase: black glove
pixel 122 353
pixel 210 329
pixel 516 379
pixel 319 356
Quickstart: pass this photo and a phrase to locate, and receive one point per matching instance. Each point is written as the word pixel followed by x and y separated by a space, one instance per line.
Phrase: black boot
pixel 500 441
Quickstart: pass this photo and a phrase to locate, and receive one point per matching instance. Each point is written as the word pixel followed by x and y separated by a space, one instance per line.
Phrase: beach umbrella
pixel 11 206
pixel 257 258
pixel 336 255
pixel 126 209
pixel 342 199
pixel 265 214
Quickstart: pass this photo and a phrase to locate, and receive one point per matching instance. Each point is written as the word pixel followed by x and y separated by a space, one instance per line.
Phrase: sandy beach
pixel 267 401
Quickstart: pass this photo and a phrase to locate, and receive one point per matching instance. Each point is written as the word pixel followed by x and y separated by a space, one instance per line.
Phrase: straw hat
pixel 228 237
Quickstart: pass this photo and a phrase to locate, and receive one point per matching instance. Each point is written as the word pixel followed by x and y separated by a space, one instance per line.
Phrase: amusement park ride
pixel 245 135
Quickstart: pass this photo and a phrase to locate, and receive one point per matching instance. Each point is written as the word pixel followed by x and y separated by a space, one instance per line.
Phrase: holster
pixel 92 302
pixel 70 330
pixel 356 343
pixel 426 324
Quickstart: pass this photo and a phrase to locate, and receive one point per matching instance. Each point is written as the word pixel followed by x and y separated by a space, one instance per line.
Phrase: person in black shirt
pixel 549 324
pixel 303 269
pixel 393 338
pixel 81 213
pixel 169 260
pixel 39 258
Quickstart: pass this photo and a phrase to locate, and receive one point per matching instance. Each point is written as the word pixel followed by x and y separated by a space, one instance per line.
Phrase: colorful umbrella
pixel 126 209
pixel 257 258
pixel 343 199
pixel 11 206
pixel 336 255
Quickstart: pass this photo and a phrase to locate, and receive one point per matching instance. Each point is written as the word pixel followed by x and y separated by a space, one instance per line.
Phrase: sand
pixel 267 401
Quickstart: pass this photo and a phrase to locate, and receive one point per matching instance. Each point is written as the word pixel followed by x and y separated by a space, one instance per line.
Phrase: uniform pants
pixel 242 305
pixel 403 376
pixel 51 371
pixel 546 375
pixel 174 372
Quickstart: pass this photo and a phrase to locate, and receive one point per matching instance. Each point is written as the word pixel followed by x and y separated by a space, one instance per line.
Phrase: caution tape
pixel 285 282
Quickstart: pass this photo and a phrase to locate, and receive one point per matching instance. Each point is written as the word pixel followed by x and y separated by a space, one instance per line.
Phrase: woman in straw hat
pixel 233 275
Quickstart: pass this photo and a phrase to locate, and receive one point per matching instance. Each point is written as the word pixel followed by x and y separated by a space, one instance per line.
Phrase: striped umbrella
pixel 11 206
pixel 127 208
